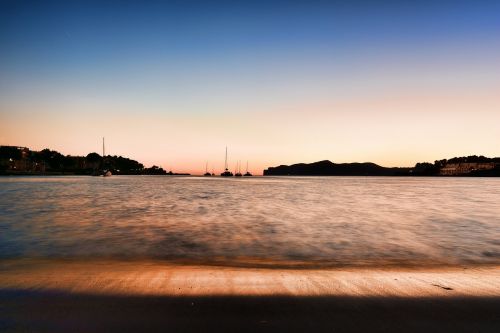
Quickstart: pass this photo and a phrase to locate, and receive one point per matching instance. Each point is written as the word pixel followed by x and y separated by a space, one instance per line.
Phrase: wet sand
pixel 163 279
pixel 61 296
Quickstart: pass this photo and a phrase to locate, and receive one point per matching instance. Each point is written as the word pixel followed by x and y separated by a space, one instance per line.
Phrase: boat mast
pixel 225 163
pixel 103 153
pixel 247 166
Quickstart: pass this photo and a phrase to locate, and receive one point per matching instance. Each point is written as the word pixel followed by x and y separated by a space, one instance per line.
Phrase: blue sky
pixel 257 63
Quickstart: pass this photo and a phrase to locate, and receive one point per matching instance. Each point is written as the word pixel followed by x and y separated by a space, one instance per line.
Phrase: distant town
pixel 15 160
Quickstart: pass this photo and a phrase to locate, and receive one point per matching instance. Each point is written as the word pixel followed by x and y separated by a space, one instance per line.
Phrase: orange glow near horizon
pixel 406 84
pixel 396 131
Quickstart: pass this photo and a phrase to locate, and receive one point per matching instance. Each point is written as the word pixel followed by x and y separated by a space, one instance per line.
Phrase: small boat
pixel 247 174
pixel 101 171
pixel 226 172
pixel 105 172
pixel 237 171
pixel 207 174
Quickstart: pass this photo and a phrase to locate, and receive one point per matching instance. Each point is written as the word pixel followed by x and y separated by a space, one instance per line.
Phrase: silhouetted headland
pixel 457 166
pixel 16 160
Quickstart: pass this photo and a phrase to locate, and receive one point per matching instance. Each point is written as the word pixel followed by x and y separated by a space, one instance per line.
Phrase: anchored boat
pixel 226 172
pixel 247 174
pixel 207 174
pixel 237 172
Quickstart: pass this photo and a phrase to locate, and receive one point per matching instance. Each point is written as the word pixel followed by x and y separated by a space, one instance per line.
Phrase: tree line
pixel 23 160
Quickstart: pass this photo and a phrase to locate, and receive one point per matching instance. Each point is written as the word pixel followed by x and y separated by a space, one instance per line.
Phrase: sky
pixel 172 83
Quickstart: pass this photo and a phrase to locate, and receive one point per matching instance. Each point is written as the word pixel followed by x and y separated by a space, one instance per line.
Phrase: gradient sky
pixel 173 83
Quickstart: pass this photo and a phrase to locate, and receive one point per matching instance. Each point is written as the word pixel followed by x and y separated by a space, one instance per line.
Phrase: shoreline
pixel 120 296
pixel 147 277
pixel 62 174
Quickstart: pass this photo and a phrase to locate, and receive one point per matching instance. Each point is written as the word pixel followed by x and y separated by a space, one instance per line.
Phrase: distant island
pixel 15 160
pixel 470 166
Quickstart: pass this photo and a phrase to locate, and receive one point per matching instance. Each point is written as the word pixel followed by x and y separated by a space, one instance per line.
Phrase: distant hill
pixel 328 168
pixel 457 166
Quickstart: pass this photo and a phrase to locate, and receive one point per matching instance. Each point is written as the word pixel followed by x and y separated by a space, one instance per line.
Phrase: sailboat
pixel 226 172
pixel 237 172
pixel 247 174
pixel 105 172
pixel 207 174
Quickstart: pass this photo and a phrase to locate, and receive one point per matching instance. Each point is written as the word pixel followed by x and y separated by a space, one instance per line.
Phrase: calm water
pixel 332 221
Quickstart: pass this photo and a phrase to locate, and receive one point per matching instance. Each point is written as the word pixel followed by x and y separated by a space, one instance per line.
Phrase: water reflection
pixel 279 221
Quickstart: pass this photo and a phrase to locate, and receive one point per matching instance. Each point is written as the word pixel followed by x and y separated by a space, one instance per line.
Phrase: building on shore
pixel 455 169
pixel 15 158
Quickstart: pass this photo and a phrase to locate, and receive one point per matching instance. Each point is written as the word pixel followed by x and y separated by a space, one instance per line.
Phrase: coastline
pixel 147 277
pixel 119 296
pixel 68 174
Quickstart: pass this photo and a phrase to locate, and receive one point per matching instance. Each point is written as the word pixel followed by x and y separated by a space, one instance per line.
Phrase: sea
pixel 296 222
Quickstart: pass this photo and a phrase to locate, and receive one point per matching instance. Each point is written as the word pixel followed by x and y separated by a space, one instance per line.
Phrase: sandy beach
pixel 38 295
pixel 158 278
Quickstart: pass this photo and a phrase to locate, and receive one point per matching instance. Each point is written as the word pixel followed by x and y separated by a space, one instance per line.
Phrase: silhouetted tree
pixel 8 152
pixel 93 158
